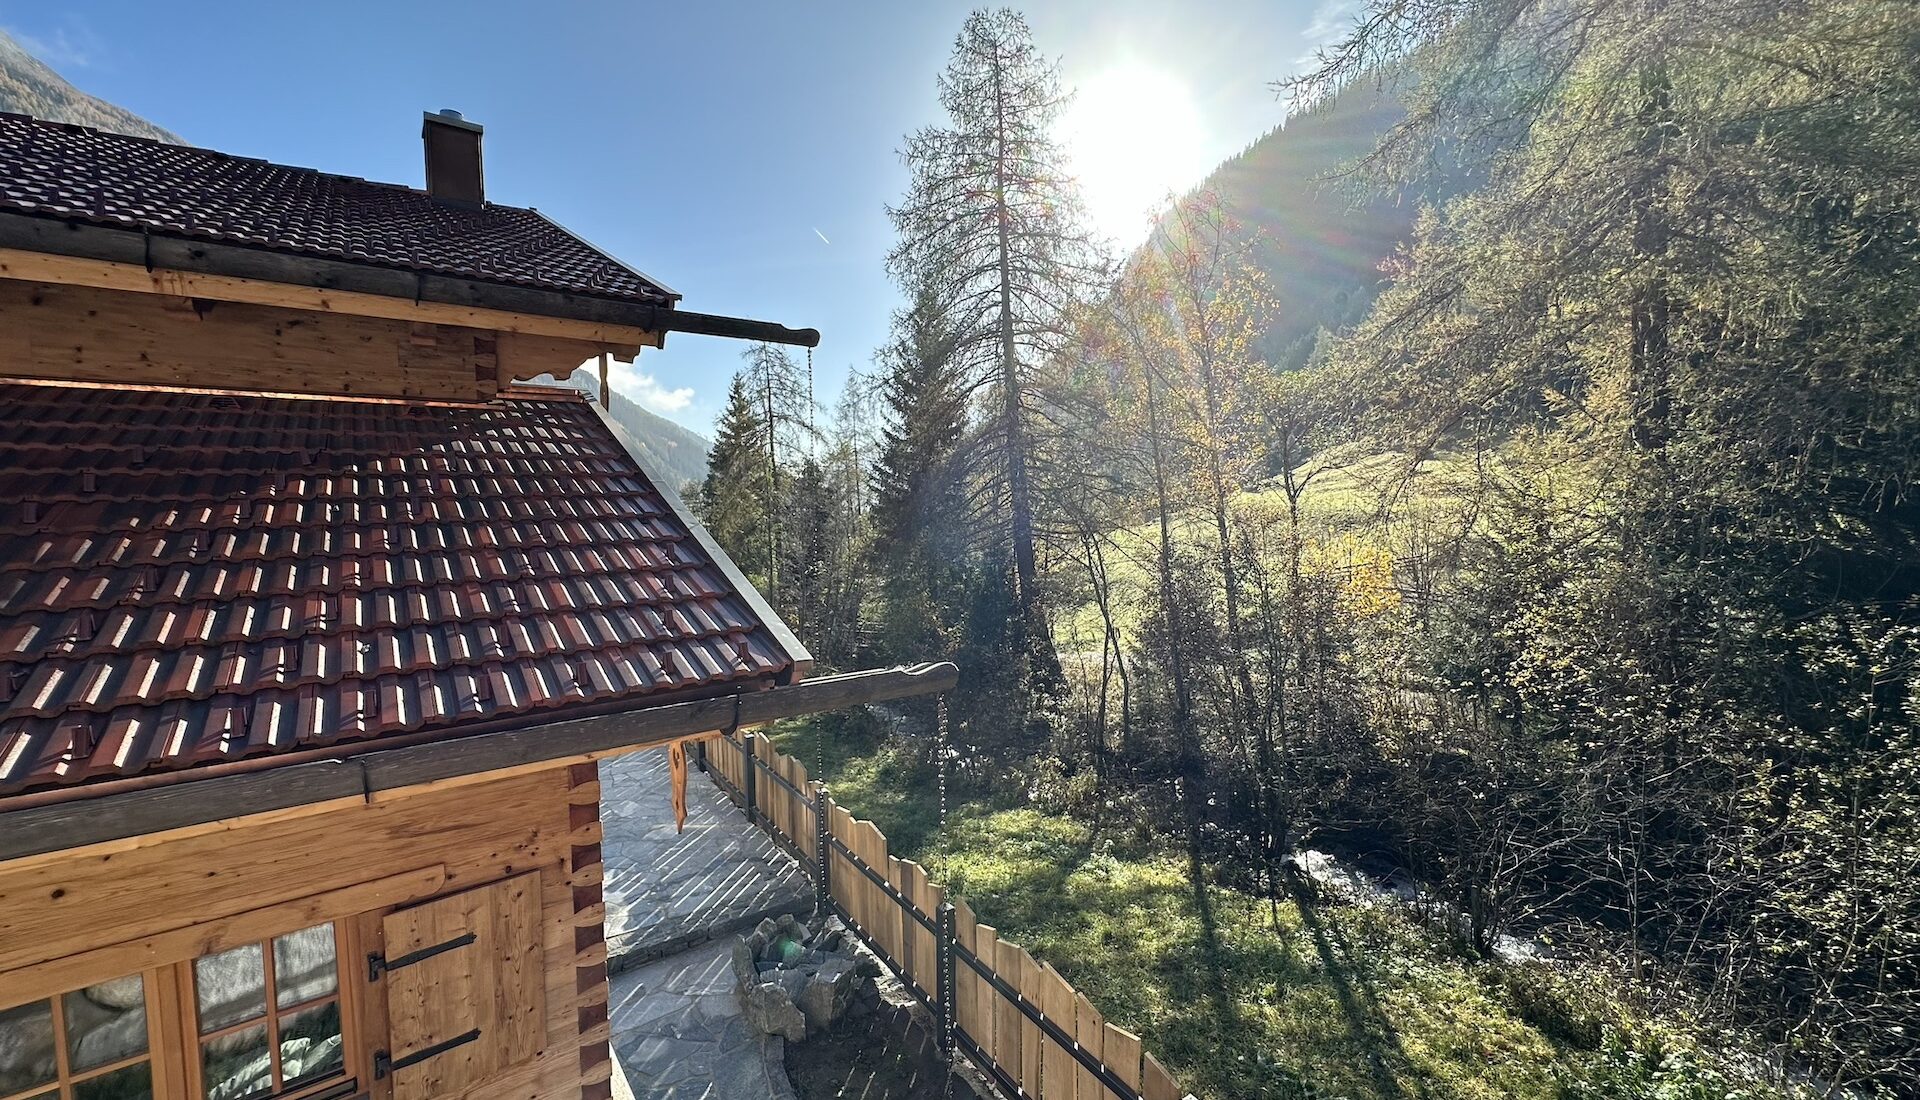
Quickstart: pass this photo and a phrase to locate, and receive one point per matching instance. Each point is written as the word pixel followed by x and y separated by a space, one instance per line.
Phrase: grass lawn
pixel 1311 1000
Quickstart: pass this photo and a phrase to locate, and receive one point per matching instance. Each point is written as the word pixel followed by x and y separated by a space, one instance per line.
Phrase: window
pixel 86 1044
pixel 267 1016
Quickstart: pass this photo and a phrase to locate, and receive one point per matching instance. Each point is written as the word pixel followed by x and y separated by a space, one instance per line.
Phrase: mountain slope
pixel 1319 238
pixel 1320 233
pixel 675 453
pixel 29 87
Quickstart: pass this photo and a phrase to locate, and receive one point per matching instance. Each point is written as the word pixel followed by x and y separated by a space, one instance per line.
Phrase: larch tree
pixel 989 232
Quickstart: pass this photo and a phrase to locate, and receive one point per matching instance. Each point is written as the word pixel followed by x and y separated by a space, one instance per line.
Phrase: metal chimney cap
pixel 447 116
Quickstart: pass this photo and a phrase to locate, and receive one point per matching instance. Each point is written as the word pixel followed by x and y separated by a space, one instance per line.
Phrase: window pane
pixel 303 965
pixel 26 1047
pixel 132 1083
pixel 237 1065
pixel 310 1043
pixel 106 1022
pixel 231 986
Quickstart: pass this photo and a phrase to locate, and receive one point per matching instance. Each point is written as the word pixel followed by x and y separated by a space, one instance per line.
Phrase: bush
pixel 1632 1066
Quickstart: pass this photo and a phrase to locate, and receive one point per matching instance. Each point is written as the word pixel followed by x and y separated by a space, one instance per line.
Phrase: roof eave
pixel 90 241
pixel 83 820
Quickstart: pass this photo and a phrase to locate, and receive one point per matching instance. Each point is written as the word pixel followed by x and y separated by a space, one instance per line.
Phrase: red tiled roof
pixel 77 174
pixel 191 578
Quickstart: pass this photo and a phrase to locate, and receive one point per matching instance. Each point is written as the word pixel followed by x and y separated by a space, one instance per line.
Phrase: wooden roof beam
pixel 362 771
pixel 42 267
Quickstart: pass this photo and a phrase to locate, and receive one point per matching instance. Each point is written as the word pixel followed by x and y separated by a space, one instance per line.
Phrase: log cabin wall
pixel 71 919
pixel 80 333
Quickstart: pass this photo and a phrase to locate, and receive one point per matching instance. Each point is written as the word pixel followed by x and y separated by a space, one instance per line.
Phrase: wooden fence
pixel 1017 1019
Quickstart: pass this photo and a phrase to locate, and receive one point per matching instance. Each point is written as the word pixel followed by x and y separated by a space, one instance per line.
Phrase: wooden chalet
pixel 315 619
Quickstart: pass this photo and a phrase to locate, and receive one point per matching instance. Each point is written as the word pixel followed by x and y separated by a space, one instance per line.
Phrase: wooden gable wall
pixel 81 333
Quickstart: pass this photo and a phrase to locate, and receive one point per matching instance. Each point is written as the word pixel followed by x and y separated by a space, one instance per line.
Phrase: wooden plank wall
pixel 61 331
pixel 161 891
pixel 990 1018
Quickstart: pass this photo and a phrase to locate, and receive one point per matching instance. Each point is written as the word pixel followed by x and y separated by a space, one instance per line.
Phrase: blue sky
pixel 741 152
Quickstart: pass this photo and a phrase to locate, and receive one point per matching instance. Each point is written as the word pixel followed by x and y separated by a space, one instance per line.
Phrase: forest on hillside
pixel 1556 556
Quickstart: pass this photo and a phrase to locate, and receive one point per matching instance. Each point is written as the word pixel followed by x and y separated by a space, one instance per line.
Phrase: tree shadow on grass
pixel 1366 1019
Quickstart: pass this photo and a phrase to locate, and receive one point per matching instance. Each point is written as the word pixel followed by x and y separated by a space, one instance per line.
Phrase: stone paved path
pixel 678 1033
pixel 677 1029
pixel 666 889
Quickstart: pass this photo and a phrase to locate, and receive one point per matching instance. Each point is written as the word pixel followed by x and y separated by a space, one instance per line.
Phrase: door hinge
pixel 378 964
pixel 384 1063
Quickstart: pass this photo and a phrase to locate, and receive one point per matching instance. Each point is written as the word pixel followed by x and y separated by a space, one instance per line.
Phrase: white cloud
pixel 1331 22
pixel 63 48
pixel 644 389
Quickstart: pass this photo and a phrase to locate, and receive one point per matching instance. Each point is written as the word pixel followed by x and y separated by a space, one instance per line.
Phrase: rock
pixel 768 1009
pixel 829 994
pixel 119 993
pixel 764 968
pixel 744 973
pixel 792 983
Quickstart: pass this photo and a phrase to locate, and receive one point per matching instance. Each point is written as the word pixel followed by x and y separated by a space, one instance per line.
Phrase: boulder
pixel 829 993
pixel 771 1012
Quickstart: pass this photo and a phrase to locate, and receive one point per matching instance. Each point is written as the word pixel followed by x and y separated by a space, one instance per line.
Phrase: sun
pixel 1133 134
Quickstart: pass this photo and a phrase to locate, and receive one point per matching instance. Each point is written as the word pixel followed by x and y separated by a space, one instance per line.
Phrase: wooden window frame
pixel 164 962
pixel 356 1064
pixel 64 1077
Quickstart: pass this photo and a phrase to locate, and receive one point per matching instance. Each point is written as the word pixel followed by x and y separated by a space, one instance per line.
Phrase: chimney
pixel 453 158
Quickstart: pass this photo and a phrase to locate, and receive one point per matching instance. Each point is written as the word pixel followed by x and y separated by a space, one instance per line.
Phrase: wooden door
pixel 465 988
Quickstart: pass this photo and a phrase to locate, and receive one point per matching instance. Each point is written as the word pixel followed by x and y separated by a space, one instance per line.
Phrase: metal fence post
pixel 749 772
pixel 945 1000
pixel 822 851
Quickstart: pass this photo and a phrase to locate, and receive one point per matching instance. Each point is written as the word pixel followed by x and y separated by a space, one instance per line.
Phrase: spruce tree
pixel 919 491
pixel 737 496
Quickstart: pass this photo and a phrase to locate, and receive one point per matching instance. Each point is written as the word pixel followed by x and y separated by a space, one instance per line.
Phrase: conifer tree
pixel 737 496
pixel 988 232
pixel 919 490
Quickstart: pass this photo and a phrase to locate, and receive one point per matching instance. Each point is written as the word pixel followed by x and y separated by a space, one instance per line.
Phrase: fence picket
pixel 1156 1082
pixel 1090 1028
pixel 907 951
pixel 966 983
pixel 1033 1042
pixel 1010 1027
pixel 1123 1056
pixel 1055 999
pixel 986 939
pixel 906 930
pixel 844 879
